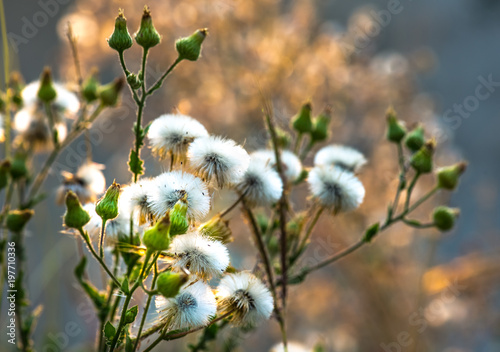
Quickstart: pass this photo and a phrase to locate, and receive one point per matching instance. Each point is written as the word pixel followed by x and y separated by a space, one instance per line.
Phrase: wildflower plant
pixel 154 235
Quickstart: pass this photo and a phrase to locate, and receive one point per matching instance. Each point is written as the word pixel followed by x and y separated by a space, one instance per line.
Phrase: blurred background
pixel 435 61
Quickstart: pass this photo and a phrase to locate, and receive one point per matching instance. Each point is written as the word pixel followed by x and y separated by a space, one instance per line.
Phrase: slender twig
pixel 232 206
pixel 410 189
pixel 402 180
pixel 159 82
pixel 6 71
pixel 309 231
pixel 74 52
pixel 101 239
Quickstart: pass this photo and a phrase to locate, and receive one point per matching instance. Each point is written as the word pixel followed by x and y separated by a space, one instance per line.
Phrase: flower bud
pixel 189 48
pixel 415 139
pixel 147 36
pixel 448 177
pixel 109 93
pixel 320 130
pixel 90 87
pixel 216 228
pixel 17 219
pixel 18 167
pixel 4 173
pixel 120 40
pixel 302 122
pixel 107 206
pixel 421 161
pixel 16 86
pixel 157 238
pixel 395 128
pixel 46 92
pixel 178 218
pixel 444 217
pixel 134 81
pixel 170 283
pixel 75 217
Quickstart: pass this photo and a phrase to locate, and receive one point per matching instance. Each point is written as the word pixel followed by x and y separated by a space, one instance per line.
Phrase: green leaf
pixel 80 268
pixel 131 314
pixel 371 232
pixel 109 332
pixel 129 346
pixel 97 298
pixel 125 286
pixel 135 163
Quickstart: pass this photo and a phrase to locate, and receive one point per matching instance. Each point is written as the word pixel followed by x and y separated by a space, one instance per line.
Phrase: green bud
pixel 107 206
pixel 18 167
pixel 421 161
pixel 216 228
pixel 170 283
pixel 415 139
pixel 120 40
pixel 4 173
pixel 109 93
pixel 395 128
pixel 178 218
pixel 46 92
pixel 16 86
pixel 147 36
pixel 444 217
pixel 157 238
pixel 134 81
pixel 448 177
pixel 302 122
pixel 90 87
pixel 75 217
pixel 189 48
pixel 320 130
pixel 17 219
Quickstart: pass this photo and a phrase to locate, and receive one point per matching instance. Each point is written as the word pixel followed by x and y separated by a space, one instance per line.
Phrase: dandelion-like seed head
pixel 292 166
pixel 172 134
pixel 87 183
pixel 341 156
pixel 335 188
pixel 135 198
pixel 199 254
pixel 218 158
pixel 246 296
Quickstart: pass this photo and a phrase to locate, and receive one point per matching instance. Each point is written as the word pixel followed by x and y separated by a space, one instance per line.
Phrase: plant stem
pixel 410 189
pixel 101 239
pixel 236 202
pixel 402 173
pixel 159 82
pixel 6 72
pixel 308 233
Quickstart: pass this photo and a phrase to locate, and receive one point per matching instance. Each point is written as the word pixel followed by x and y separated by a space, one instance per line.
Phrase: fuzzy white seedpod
pixel 335 188
pixel 290 347
pixel 246 296
pixel 199 254
pixel 193 306
pixel 292 166
pixel 218 158
pixel 341 156
pixel 172 134
pixel 65 102
pixel 261 184
pixel 119 226
pixel 88 183
pixel 170 187
pixel 135 198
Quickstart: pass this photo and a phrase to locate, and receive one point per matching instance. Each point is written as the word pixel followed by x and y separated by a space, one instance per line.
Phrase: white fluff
pixel 291 163
pixel 170 187
pixel 66 102
pixel 172 133
pixel 341 156
pixel 191 308
pixel 218 158
pixel 335 188
pixel 135 198
pixel 261 183
pixel 246 296
pixel 88 183
pixel 199 254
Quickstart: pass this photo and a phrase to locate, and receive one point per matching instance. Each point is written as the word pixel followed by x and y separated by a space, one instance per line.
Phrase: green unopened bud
pixel 147 36
pixel 18 167
pixel 189 48
pixel 90 87
pixel 320 130
pixel 421 161
pixel 17 219
pixel 109 93
pixel 178 217
pixel 302 122
pixel 120 40
pixel 107 206
pixel 46 92
pixel 75 217
pixel 216 228
pixel 4 173
pixel 415 139
pixel 157 238
pixel 444 217
pixel 448 177
pixel 170 283
pixel 133 80
pixel 395 128
pixel 16 86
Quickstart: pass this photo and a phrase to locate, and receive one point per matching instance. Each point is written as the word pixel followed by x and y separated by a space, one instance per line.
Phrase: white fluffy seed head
pixel 335 188
pixel 170 187
pixel 135 198
pixel 246 296
pixel 66 102
pixel 261 183
pixel 218 158
pixel 87 183
pixel 291 163
pixel 341 156
pixel 199 254
pixel 172 133
pixel 191 308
